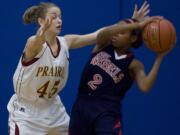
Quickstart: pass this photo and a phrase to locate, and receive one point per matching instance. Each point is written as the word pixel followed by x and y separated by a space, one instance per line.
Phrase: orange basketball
pixel 159 35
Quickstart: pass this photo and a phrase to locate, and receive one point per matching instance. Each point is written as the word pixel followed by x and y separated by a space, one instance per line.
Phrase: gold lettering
pixel 40 69
pixel 62 72
pixel 59 71
pixel 56 71
pixel 45 71
pixel 51 72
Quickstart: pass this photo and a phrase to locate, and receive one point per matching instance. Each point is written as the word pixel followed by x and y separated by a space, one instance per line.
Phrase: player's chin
pixel 58 31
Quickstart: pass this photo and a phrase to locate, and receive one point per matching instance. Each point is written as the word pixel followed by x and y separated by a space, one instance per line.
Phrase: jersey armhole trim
pixel 28 62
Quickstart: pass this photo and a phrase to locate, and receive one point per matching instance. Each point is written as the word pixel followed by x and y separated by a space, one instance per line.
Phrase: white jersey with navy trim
pixel 37 83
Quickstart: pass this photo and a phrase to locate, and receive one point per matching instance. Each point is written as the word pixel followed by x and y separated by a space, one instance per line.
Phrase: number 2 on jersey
pixel 43 89
pixel 97 80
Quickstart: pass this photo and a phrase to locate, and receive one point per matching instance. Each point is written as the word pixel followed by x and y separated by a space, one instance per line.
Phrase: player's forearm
pixel 152 75
pixel 105 36
pixel 34 45
pixel 117 28
pixel 78 41
pixel 39 37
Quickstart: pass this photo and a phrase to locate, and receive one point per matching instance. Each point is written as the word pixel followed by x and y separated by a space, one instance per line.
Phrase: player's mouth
pixel 58 27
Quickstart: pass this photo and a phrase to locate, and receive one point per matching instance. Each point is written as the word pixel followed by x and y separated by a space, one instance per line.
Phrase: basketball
pixel 159 35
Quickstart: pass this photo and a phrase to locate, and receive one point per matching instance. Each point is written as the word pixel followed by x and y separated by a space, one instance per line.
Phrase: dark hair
pixel 32 14
pixel 138 42
pixel 137 32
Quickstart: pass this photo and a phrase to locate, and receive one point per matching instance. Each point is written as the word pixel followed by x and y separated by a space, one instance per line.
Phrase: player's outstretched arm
pixel 78 41
pixel 105 36
pixel 146 81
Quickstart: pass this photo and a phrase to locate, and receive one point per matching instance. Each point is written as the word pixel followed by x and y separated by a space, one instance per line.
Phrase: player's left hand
pixel 162 54
pixel 142 12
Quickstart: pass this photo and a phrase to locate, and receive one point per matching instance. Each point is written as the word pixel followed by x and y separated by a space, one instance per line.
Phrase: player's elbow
pixel 145 88
pixel 145 85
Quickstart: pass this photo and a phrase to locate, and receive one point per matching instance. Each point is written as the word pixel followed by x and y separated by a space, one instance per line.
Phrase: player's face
pixel 123 39
pixel 56 24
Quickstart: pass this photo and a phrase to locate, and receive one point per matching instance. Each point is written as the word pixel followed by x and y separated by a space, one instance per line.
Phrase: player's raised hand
pixel 142 12
pixel 149 20
pixel 46 25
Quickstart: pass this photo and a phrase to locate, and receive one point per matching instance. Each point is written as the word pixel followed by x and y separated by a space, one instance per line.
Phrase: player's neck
pixel 121 50
pixel 51 40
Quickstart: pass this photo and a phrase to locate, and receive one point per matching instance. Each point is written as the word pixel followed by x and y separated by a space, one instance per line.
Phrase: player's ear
pixel 40 21
pixel 133 38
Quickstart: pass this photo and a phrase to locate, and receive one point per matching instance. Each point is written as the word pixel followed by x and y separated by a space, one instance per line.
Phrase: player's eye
pixel 54 16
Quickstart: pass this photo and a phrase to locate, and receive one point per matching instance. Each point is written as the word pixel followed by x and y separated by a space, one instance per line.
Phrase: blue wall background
pixel 156 113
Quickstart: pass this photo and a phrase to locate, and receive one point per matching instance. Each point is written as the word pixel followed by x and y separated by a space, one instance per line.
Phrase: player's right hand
pixel 46 25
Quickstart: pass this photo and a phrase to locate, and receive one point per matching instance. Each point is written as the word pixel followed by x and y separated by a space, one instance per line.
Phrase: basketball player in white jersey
pixel 36 108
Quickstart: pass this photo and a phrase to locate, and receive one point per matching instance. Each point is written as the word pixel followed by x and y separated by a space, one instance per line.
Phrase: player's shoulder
pixel 63 41
pixel 31 38
pixel 70 38
pixel 61 38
